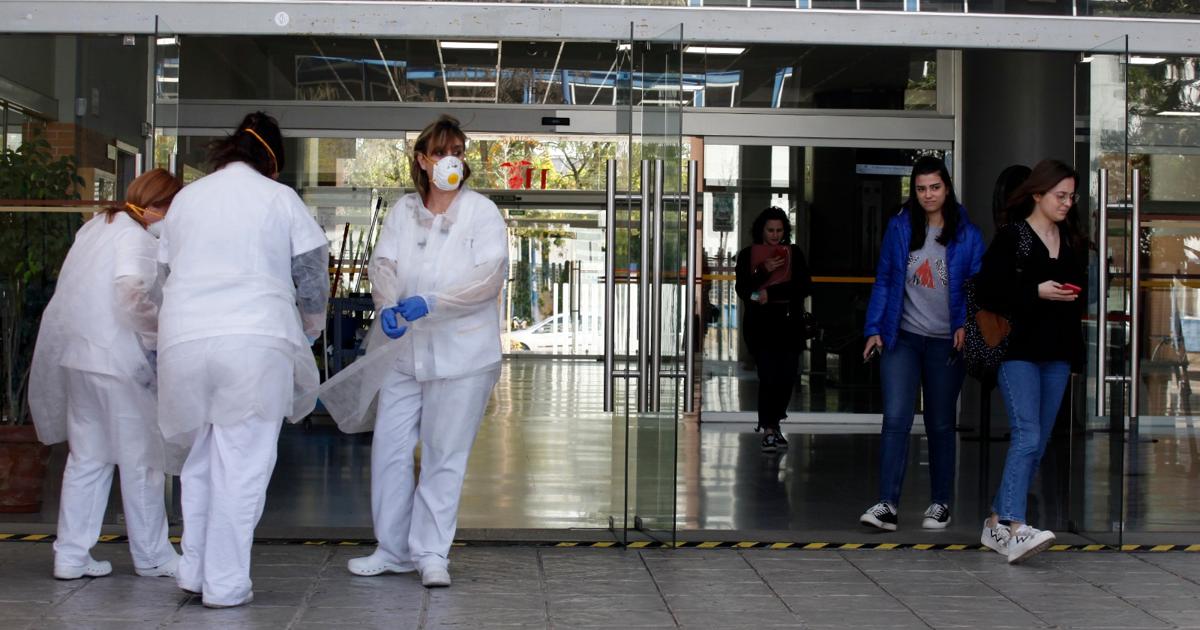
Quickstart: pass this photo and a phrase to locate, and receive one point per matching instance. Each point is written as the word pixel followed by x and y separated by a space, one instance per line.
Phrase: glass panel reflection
pixel 556 73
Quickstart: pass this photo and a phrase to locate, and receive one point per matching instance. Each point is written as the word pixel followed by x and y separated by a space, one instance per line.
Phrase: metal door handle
pixel 690 323
pixel 643 303
pixel 610 282
pixel 1135 273
pixel 655 303
pixel 1102 298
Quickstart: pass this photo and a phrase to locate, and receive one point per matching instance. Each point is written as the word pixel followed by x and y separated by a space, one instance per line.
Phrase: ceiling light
pixel 1146 61
pixel 470 84
pixel 714 50
pixel 1179 113
pixel 166 41
pixel 624 46
pixel 470 45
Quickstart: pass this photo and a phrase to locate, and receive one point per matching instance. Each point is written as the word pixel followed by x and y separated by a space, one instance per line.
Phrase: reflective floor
pixel 548 458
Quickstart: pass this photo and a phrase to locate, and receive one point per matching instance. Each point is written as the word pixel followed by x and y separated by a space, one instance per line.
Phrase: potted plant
pixel 32 248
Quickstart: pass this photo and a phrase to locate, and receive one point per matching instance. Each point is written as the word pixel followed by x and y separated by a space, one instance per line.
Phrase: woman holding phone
pixel 773 280
pixel 1032 273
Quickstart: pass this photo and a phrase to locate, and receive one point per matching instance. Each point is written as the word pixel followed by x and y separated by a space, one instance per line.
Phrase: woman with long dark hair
pixel 244 299
pixel 915 324
pixel 1033 273
pixel 773 285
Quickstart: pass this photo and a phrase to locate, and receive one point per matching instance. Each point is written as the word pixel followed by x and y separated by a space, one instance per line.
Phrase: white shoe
pixel 249 598
pixel 435 576
pixel 995 538
pixel 94 568
pixel 166 569
pixel 1028 542
pixel 937 516
pixel 375 564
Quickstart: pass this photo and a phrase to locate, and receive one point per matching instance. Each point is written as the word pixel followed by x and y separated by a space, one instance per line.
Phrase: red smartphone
pixel 1070 287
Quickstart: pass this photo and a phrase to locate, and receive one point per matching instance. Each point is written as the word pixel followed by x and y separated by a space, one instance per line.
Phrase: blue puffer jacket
pixel 963 256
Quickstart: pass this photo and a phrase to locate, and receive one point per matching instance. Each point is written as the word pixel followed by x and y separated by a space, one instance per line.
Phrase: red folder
pixel 760 254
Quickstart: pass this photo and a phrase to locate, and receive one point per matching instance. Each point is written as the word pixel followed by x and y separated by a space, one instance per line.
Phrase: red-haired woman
pixel 93 384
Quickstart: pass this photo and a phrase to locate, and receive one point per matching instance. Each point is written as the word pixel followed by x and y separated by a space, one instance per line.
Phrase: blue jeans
pixel 934 365
pixel 1032 393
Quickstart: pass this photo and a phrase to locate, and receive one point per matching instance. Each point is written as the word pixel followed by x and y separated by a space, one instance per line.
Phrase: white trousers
pixel 246 396
pixel 85 489
pixel 224 483
pixel 415 520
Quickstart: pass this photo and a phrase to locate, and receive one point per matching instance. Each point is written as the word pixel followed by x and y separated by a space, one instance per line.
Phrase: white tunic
pixel 103 320
pixel 228 242
pixel 458 262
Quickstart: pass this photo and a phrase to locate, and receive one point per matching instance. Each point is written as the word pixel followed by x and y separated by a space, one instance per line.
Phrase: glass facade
pixel 112 104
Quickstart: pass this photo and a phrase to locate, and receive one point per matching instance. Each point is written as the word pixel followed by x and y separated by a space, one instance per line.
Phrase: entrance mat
pixel 643 544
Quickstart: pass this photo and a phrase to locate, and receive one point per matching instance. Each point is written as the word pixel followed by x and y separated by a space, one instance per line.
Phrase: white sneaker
pixel 435 576
pixel 937 516
pixel 94 568
pixel 166 569
pixel 249 598
pixel 375 564
pixel 995 538
pixel 1028 542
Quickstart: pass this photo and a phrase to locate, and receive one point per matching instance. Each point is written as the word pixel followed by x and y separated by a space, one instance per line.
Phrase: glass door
pixel 165 100
pixel 1163 449
pixel 1098 432
pixel 649 283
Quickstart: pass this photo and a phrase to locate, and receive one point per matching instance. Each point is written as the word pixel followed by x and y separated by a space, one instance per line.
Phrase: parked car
pixel 557 335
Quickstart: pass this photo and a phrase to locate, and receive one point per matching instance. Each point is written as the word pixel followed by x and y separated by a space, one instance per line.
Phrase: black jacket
pixel 778 321
pixel 1042 330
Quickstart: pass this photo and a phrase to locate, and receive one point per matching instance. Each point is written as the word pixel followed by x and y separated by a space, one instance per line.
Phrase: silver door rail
pixel 610 281
pixel 689 321
pixel 656 291
pixel 1135 299
pixel 1102 297
pixel 644 292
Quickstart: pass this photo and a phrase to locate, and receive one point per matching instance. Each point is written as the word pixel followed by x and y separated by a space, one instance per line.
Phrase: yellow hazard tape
pixel 651 544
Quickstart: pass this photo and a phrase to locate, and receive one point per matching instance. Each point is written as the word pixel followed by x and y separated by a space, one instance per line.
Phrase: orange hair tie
pixel 138 210
pixel 274 162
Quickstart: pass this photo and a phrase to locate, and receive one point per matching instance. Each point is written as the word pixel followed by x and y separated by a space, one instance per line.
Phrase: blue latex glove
pixel 389 325
pixel 413 308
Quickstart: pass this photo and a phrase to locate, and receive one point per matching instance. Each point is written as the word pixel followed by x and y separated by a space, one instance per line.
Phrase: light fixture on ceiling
pixel 470 45
pixel 166 41
pixel 1146 61
pixel 480 84
pixel 1179 113
pixel 714 50
pixel 625 46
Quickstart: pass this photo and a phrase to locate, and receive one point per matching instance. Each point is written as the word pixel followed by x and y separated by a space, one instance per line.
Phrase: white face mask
pixel 155 229
pixel 448 173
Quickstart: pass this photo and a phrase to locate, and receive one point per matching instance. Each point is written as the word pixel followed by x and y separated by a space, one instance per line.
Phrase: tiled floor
pixel 500 587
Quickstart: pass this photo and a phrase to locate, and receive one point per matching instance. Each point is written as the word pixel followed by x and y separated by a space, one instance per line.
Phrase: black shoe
pixel 780 440
pixel 881 515
pixel 770 443
pixel 937 516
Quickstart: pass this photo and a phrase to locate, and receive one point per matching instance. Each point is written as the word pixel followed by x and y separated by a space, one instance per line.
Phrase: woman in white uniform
pixel 93 384
pixel 436 276
pixel 246 294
